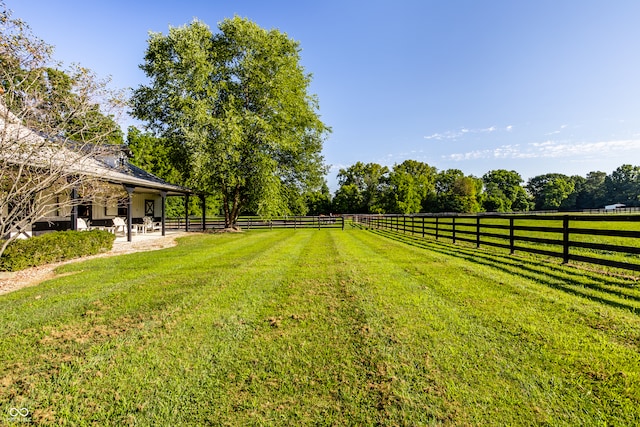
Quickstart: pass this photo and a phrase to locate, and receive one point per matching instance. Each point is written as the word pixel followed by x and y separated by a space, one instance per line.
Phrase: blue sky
pixel 533 86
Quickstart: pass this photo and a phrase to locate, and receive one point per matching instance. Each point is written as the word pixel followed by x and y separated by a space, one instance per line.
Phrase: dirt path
pixel 11 281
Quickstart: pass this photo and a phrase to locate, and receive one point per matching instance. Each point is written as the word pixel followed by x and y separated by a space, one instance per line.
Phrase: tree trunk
pixel 235 211
pixel 225 205
pixel 232 204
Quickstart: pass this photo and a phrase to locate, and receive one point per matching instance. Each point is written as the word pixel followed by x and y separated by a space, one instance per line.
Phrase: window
pixel 122 207
pixel 149 208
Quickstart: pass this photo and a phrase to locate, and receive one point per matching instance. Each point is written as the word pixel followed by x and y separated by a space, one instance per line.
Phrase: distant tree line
pixel 413 187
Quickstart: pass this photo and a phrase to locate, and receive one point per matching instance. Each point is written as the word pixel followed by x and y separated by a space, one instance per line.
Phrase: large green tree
pixel 318 202
pixel 237 104
pixel 456 192
pixel 551 190
pixel 623 185
pixel 503 192
pixel 592 192
pixel 362 188
pixel 410 185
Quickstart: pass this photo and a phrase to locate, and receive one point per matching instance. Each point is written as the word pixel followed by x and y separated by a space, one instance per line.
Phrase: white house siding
pixel 109 209
pixel 59 202
pixel 106 209
pixel 138 204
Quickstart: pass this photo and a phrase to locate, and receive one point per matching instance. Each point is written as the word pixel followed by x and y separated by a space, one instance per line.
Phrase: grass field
pixel 323 327
pixel 466 228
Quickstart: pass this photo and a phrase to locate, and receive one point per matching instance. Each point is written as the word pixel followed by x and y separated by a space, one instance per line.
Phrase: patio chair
pixel 119 226
pixel 81 225
pixel 150 224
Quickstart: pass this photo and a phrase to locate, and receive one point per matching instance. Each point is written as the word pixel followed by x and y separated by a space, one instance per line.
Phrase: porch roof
pixel 130 175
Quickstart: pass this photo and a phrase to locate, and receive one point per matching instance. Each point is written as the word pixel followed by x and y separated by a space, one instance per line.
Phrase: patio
pixel 149 238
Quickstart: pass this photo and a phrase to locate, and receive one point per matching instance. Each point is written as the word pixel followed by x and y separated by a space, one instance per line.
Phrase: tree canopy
pixel 411 184
pixel 236 106
pixel 550 190
pixel 456 192
pixel 362 188
pixel 503 191
pixel 624 183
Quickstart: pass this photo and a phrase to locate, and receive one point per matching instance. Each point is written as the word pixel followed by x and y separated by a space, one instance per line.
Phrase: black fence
pixel 608 240
pixel 254 223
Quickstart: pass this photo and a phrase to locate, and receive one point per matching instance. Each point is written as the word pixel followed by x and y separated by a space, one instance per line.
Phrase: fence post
pixel 437 229
pixel 404 224
pixel 478 231
pixel 453 229
pixel 342 218
pixel 565 239
pixel 512 239
pixel 423 227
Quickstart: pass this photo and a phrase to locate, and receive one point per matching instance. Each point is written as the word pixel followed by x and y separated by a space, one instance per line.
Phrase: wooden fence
pixel 252 222
pixel 608 240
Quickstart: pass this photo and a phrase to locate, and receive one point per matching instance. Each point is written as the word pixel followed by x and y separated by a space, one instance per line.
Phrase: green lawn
pixel 321 327
pixel 466 228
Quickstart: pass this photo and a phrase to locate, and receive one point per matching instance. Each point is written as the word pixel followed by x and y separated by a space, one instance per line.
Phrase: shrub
pixel 54 247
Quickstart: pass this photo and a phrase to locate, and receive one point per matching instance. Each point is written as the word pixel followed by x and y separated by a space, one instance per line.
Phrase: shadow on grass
pixel 562 277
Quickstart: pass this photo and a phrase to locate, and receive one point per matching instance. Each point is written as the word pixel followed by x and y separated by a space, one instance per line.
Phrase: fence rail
pixel 249 223
pixel 607 240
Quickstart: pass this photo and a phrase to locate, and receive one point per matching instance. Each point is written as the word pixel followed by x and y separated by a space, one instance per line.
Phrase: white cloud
pixel 448 135
pixel 555 132
pixel 550 149
pixel 456 134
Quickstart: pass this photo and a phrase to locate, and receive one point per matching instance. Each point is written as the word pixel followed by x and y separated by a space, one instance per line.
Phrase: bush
pixel 54 247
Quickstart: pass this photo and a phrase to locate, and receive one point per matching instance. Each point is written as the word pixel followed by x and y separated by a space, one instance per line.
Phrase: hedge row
pixel 54 247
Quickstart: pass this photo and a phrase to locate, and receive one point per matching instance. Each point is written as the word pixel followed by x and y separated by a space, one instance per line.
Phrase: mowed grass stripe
pixel 96 321
pixel 512 349
pixel 314 327
pixel 304 362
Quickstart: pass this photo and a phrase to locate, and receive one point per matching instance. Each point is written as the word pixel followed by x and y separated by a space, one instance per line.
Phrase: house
pixel 119 189
pixel 613 207
pixel 144 195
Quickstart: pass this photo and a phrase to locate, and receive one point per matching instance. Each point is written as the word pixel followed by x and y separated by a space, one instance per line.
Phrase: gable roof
pixel 109 164
pixel 125 173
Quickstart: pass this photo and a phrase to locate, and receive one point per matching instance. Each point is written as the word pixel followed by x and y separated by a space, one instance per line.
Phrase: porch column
pixel 203 203
pixel 74 209
pixel 163 194
pixel 129 209
pixel 186 212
